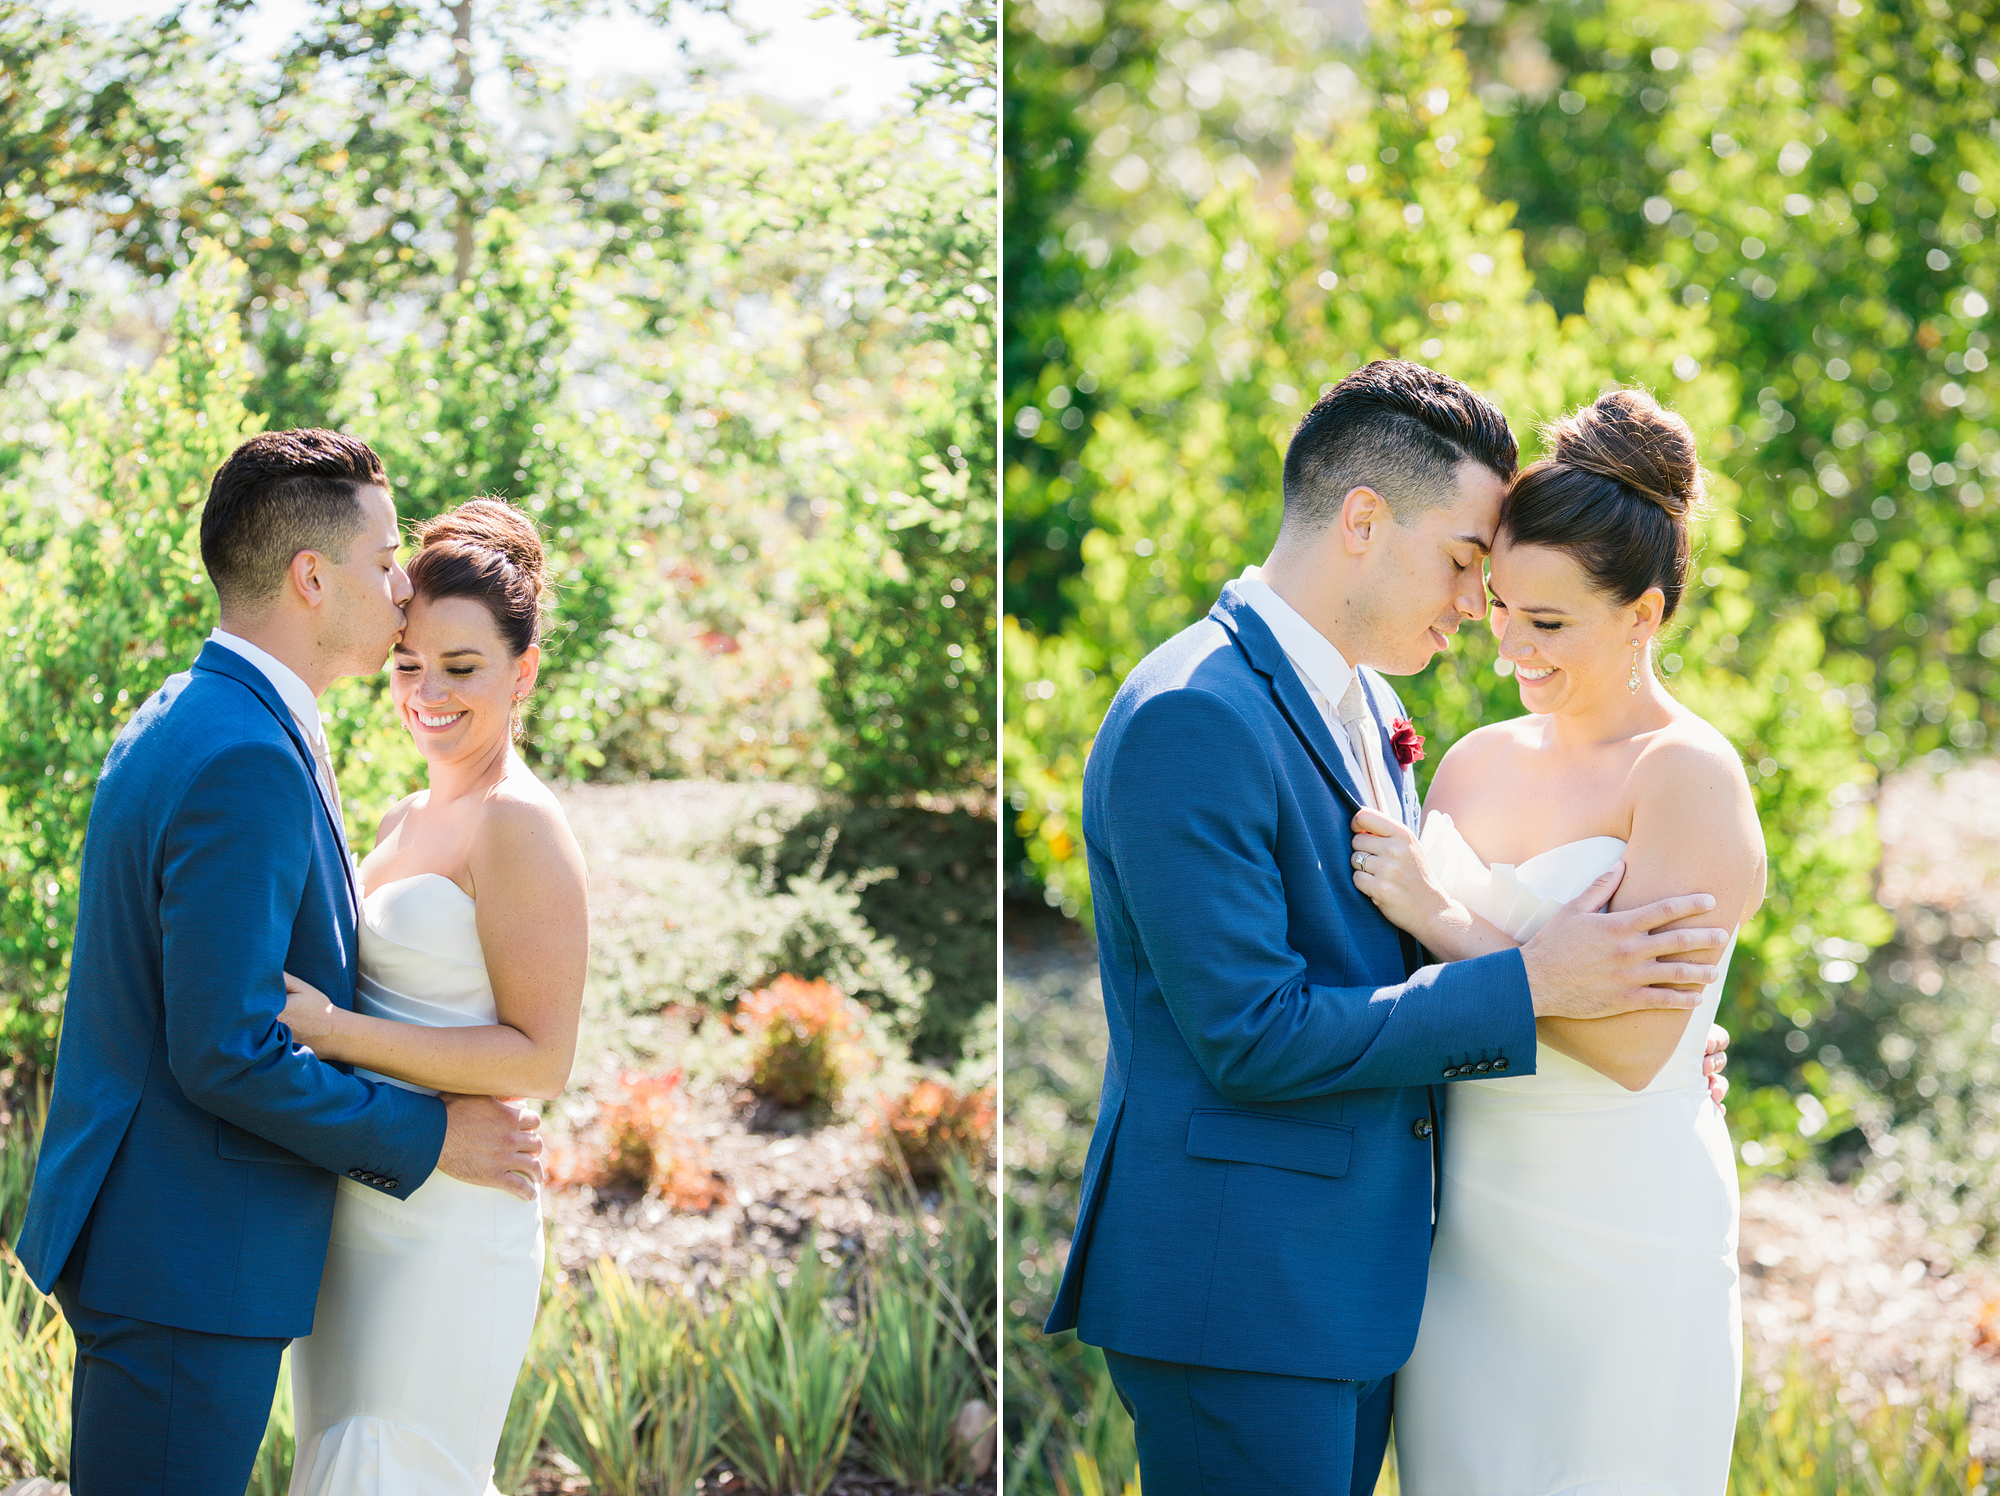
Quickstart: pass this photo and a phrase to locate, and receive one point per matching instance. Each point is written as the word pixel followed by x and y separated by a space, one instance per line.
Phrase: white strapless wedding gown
pixel 1582 1334
pixel 427 1304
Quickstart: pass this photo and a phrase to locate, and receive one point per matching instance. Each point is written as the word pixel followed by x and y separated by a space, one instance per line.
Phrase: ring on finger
pixel 1360 860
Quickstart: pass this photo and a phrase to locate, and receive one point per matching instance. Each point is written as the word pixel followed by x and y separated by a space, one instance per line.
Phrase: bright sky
pixel 803 61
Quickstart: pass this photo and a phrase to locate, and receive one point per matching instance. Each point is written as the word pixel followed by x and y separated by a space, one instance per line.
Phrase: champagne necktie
pixel 329 787
pixel 1360 722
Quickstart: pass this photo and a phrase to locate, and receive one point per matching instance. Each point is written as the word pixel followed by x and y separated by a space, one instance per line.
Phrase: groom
pixel 1260 1191
pixel 185 1187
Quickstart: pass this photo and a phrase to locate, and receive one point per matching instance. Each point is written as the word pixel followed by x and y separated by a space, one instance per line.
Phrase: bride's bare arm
pixel 534 923
pixel 1694 826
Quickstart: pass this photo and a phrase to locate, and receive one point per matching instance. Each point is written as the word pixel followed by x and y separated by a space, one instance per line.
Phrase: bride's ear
pixel 1648 612
pixel 526 670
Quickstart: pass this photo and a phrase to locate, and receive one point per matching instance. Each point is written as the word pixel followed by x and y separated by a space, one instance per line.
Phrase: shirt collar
pixel 1312 654
pixel 295 693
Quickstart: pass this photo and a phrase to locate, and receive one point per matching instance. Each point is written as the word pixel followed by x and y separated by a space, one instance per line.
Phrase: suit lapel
pixel 1406 779
pixel 227 662
pixel 1260 647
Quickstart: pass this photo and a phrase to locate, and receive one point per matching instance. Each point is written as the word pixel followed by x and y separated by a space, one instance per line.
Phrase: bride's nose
pixel 431 688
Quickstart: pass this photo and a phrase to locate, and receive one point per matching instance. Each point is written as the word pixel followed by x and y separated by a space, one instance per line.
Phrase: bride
pixel 473 945
pixel 1581 1330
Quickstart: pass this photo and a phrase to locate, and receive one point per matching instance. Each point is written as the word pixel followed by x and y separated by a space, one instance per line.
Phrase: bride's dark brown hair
pixel 1616 492
pixel 489 551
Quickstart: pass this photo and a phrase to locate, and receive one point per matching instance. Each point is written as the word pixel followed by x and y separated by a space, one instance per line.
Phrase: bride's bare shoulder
pixel 522 824
pixel 1690 754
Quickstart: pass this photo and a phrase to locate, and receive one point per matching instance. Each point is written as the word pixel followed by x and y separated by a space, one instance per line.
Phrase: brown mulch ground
pixel 1862 1288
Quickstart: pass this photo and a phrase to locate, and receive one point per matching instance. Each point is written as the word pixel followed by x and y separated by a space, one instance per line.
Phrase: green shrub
pixel 793 1378
pixel 711 931
pixel 919 1377
pixel 272 1474
pixel 37 1359
pixel 936 907
pixel 632 1371
pixel 94 615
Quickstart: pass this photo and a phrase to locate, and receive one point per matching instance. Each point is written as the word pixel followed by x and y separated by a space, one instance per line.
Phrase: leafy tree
pixel 1825 178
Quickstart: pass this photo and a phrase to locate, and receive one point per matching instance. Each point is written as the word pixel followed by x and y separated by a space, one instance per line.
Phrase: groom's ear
pixel 1360 513
pixel 305 578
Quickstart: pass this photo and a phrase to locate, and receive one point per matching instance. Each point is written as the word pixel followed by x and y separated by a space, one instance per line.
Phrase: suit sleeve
pixel 1194 834
pixel 236 855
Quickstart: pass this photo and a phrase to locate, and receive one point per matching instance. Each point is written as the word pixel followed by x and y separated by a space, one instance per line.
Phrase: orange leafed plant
pixel 642 1151
pixel 931 1123
pixel 800 1059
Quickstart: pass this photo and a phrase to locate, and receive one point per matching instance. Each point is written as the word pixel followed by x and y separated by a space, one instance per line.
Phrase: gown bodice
pixel 1520 899
pixel 421 961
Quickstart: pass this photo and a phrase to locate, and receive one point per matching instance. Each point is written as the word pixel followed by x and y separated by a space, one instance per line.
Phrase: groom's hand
pixel 1714 1056
pixel 1587 964
pixel 492 1143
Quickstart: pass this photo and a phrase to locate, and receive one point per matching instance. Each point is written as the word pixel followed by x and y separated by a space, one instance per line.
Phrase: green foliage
pixel 97 608
pixel 1826 182
pixel 86 118
pixel 936 909
pixel 793 1378
pixel 1798 1435
pixel 731 932
pixel 925 1367
pixel 271 1475
pixel 634 1401
pixel 37 1356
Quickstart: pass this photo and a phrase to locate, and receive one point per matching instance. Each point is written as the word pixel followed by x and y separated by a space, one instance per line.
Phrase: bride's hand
pixel 308 1013
pixel 1389 867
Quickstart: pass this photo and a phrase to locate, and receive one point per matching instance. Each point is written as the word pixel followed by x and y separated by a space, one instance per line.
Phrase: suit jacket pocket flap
pixel 232 1141
pixel 1275 1142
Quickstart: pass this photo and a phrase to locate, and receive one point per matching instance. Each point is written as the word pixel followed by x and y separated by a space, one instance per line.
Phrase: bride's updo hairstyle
pixel 1616 492
pixel 487 550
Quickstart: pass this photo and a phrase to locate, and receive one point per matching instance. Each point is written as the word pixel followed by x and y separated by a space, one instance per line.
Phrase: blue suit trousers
pixel 156 1411
pixel 1204 1431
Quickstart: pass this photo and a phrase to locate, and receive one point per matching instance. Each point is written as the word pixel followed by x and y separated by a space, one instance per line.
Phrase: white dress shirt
pixel 1325 674
pixel 304 707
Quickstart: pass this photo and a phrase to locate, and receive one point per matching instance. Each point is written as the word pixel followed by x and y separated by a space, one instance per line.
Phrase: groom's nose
pixel 400 590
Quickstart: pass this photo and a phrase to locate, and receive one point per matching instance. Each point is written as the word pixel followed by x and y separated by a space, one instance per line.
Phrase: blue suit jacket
pixel 1258 1193
pixel 183 1116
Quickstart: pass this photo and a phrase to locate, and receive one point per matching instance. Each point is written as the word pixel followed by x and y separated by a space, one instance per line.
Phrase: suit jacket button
pixel 1483 1066
pixel 355 1174
pixel 388 1184
pixel 1421 1127
pixel 1501 1063
pixel 1451 1072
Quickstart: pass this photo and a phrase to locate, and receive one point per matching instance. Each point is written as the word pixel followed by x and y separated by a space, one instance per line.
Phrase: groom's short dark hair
pixel 280 493
pixel 1399 428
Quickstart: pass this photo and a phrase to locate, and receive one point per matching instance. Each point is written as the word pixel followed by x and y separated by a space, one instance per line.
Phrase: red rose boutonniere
pixel 1406 740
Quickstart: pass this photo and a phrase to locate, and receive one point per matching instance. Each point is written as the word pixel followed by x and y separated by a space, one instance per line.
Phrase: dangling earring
pixel 1632 684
